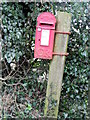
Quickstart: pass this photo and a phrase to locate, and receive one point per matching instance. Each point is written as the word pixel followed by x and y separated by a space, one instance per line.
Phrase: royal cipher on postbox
pixel 44 39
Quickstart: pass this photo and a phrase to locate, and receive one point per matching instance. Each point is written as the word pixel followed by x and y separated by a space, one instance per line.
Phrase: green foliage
pixel 19 24
pixel 75 83
pixel 13 33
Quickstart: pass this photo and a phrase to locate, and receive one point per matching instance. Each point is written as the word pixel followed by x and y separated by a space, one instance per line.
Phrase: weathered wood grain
pixel 57 66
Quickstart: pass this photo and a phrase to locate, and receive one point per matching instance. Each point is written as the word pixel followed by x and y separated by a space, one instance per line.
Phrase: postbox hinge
pixel 60 54
pixel 60 32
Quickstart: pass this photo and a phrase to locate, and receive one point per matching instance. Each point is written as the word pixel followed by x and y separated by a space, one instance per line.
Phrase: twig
pixel 9 77
pixel 14 84
pixel 6 67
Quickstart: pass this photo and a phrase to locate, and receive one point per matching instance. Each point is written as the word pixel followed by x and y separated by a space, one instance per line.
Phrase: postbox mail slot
pixel 46 24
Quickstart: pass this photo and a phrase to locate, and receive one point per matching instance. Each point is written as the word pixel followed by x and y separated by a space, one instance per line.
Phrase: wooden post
pixel 57 66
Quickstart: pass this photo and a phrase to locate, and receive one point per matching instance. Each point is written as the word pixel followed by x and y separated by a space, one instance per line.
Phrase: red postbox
pixel 44 39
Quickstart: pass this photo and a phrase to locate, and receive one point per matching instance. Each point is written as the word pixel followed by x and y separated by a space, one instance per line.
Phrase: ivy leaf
pixel 29 107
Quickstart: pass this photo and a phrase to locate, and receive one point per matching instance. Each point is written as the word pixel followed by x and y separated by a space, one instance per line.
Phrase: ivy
pixel 18 40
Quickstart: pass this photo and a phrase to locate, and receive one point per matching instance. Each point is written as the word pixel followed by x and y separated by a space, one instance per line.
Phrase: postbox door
pixel 44 39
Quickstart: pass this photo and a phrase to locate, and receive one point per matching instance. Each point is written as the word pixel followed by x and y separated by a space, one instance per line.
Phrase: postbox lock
pixel 44 39
pixel 39 29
